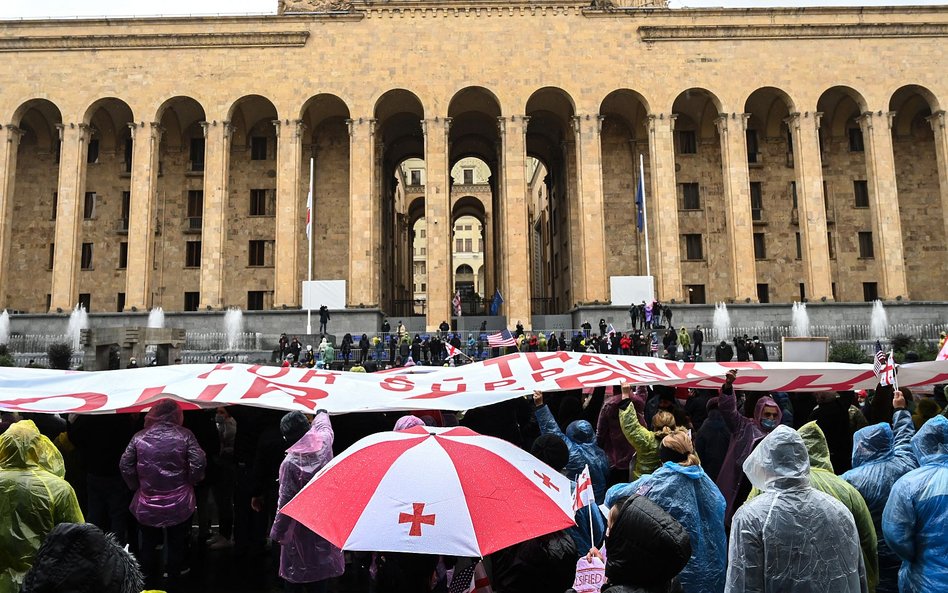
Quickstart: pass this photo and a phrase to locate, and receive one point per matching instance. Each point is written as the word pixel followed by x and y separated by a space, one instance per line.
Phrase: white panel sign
pixel 626 290
pixel 331 293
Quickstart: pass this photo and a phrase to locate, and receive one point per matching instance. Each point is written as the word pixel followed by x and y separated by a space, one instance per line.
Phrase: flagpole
pixel 648 262
pixel 895 376
pixel 309 240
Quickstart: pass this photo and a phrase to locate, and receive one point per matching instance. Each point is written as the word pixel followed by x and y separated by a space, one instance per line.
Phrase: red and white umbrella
pixel 433 491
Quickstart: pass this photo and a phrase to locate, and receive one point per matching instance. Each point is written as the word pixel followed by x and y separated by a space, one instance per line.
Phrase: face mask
pixel 768 424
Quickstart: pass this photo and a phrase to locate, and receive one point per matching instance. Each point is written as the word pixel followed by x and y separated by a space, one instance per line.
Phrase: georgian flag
pixel 452 351
pixel 943 353
pixel 887 376
pixel 309 213
pixel 456 301
pixel 583 496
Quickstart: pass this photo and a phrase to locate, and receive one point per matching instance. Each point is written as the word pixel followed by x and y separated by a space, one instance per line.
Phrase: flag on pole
pixel 452 351
pixel 456 301
pixel 472 579
pixel 943 353
pixel 610 330
pixel 309 212
pixel 583 496
pixel 640 203
pixel 878 362
pixel 887 376
pixel 501 338
pixel 496 303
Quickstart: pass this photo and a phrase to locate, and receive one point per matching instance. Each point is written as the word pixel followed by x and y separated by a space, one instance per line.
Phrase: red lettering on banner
pixel 503 364
pixel 437 391
pixel 806 382
pixel 328 378
pixel 398 384
pixel 541 375
pixel 93 402
pixel 537 360
pixel 304 396
pixel 210 393
pixel 270 372
pixel 143 401
pixel 683 371
pixel 217 367
pixel 495 385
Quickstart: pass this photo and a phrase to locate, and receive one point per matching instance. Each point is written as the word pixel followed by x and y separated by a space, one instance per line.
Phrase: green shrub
pixel 849 352
pixel 59 356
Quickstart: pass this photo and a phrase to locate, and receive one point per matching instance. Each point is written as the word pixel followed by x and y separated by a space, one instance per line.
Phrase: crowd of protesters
pixel 701 491
pixel 399 347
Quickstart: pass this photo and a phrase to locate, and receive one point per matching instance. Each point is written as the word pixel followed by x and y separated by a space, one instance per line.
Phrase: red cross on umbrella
pixel 484 493
pixel 416 518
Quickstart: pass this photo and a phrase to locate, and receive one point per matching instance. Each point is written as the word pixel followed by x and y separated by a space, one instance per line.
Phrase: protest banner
pixel 458 388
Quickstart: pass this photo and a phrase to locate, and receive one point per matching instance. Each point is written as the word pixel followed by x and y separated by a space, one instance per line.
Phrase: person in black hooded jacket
pixel 80 558
pixel 646 549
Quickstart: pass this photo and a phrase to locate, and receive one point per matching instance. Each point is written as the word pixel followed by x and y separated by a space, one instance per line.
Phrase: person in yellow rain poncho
pixel 823 479
pixel 34 498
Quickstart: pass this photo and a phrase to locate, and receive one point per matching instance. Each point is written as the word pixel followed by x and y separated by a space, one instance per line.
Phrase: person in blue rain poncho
pixel 681 488
pixel 915 520
pixel 881 455
pixel 580 437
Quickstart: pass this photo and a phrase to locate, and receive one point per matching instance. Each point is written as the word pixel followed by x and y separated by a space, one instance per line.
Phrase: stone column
pixel 9 144
pixel 71 190
pixel 438 220
pixel 663 197
pixel 884 202
pixel 740 229
pixel 514 256
pixel 593 285
pixel 362 205
pixel 286 285
pixel 146 139
pixel 937 120
pixel 487 244
pixel 811 206
pixel 214 230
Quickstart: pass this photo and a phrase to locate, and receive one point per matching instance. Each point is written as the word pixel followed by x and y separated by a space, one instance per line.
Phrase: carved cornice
pixel 651 34
pixel 475 8
pixel 155 41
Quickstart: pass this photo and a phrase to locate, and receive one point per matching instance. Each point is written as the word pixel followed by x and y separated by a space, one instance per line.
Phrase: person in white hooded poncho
pixel 791 537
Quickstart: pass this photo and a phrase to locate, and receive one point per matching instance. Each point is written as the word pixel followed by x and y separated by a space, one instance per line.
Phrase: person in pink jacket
pixel 161 464
pixel 306 559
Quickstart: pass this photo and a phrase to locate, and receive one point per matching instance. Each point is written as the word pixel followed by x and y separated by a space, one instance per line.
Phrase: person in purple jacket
pixel 745 433
pixel 161 464
pixel 307 560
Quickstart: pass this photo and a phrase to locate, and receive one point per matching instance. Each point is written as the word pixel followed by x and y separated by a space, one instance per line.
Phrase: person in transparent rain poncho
pixel 791 537
pixel 915 520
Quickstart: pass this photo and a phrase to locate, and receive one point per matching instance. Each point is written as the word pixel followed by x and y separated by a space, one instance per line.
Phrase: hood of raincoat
pixel 406 422
pixel 816 447
pixel 930 443
pixel 647 546
pixel 581 431
pixel 780 461
pixel 872 444
pixel 759 409
pixel 22 446
pixel 166 410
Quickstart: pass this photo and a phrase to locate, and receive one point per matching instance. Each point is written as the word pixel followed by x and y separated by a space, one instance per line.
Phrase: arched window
pixel 464 269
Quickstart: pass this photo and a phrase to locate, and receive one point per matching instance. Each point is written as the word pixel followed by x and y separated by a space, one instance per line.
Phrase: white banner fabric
pixel 458 388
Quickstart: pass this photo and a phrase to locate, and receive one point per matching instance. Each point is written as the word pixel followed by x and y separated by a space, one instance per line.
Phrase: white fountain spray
pixel 233 326
pixel 156 318
pixel 879 322
pixel 78 321
pixel 801 321
pixel 721 321
pixel 4 327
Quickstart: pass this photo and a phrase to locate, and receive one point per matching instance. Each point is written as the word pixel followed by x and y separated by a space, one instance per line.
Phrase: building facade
pixel 789 153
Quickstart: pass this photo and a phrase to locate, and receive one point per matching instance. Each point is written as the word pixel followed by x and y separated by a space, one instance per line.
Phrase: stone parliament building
pixel 789 154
